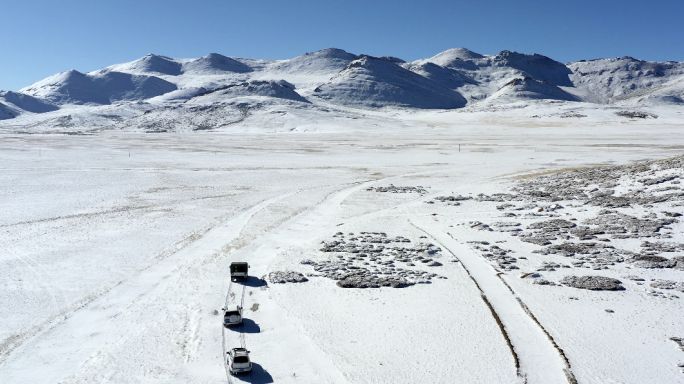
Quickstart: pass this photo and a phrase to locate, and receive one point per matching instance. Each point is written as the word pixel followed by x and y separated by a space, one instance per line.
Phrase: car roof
pixel 240 352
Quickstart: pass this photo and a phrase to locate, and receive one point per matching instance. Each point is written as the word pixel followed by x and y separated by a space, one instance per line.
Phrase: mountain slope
pixel 612 80
pixel 25 102
pixel 447 77
pixel 374 83
pixel 102 87
pixel 6 112
pixel 481 76
pixel 280 90
pixel 530 89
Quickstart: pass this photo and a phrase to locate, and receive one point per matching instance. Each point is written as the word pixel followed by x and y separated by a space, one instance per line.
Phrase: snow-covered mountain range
pixel 453 79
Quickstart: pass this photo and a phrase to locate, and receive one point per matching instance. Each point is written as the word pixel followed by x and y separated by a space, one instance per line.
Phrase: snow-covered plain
pixel 116 250
pixel 120 219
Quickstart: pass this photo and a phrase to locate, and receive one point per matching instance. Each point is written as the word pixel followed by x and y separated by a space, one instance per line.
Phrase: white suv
pixel 232 315
pixel 238 361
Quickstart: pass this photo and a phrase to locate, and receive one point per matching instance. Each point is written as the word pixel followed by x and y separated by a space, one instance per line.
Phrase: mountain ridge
pixel 450 79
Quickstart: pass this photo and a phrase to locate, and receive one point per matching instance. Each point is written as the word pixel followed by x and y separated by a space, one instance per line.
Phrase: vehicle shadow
pixel 248 326
pixel 258 375
pixel 251 282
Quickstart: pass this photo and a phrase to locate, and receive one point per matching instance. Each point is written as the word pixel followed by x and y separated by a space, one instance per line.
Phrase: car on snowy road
pixel 232 315
pixel 239 270
pixel 238 361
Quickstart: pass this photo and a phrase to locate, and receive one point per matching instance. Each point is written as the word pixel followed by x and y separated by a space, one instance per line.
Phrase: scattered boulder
pixel 636 115
pixel 654 261
pixel 280 277
pixel 668 284
pixel 679 341
pixel 393 189
pixel 594 283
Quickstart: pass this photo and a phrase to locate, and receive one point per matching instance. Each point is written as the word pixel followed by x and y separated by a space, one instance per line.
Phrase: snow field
pixel 135 251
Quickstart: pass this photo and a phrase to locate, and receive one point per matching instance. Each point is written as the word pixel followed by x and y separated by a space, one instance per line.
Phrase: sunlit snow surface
pixel 116 246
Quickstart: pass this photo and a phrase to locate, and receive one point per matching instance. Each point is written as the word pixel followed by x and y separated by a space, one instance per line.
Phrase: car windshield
pixel 238 268
pixel 231 313
pixel 241 359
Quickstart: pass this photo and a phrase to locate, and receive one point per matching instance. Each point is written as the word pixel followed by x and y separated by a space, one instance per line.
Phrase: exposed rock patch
pixel 594 283
pixel 370 260
pixel 393 189
pixel 280 277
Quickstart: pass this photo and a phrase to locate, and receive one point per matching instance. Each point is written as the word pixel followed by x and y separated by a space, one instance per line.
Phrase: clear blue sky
pixel 43 37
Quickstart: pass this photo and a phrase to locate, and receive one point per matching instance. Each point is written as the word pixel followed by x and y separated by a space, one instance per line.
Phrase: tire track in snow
pixel 229 376
pixel 91 315
pixel 538 357
pixel 311 222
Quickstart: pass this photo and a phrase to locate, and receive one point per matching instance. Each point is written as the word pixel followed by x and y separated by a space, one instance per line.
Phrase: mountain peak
pixel 150 64
pixel 453 55
pixel 215 63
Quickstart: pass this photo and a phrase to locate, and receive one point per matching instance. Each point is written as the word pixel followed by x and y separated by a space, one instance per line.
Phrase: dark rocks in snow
pixel 594 186
pixel 654 262
pixel 369 282
pixel 630 225
pixel 496 255
pixel 393 189
pixel 594 283
pixel 452 198
pixel 634 278
pixel 668 284
pixel 549 266
pixel 479 226
pixel 662 247
pixel 506 226
pixel 497 197
pixel 658 180
pixel 536 240
pixel 280 277
pixel 679 341
pixel 636 115
pixel 570 249
pixel 586 233
pixel 588 255
pixel 364 263
pixel 552 224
